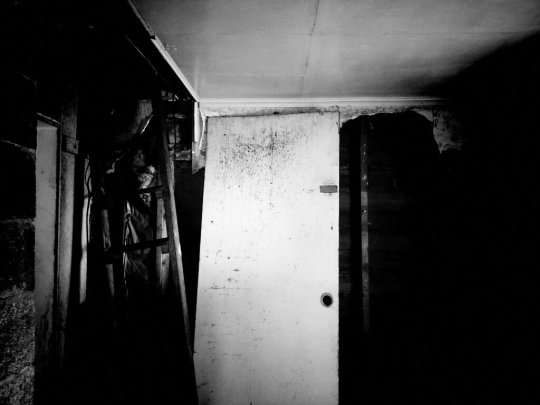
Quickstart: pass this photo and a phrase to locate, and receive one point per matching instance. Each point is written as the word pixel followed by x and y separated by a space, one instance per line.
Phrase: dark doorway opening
pixel 401 357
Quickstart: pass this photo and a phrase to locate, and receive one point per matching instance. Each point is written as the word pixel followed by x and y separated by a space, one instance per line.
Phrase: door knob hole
pixel 327 300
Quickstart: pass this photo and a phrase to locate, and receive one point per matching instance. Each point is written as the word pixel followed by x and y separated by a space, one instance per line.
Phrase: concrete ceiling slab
pixel 330 48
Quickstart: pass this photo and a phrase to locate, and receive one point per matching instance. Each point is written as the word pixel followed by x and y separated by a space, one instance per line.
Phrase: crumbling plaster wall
pixel 17 174
pixel 446 128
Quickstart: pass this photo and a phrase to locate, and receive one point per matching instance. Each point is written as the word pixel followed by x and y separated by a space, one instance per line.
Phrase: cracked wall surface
pixel 447 130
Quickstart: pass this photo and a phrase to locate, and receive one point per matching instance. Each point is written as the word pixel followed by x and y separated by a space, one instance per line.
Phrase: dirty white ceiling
pixel 281 49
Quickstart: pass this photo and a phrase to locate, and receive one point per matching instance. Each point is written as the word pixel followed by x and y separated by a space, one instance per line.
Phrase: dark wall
pixel 17 177
pixel 455 301
pixel 497 221
pixel 39 64
pixel 49 48
pixel 350 282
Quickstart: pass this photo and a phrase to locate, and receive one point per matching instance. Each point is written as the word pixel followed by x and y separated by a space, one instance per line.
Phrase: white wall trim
pixel 161 49
pixel 322 102
pixel 168 58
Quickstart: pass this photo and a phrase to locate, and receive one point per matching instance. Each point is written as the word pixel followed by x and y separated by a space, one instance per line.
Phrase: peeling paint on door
pixel 269 253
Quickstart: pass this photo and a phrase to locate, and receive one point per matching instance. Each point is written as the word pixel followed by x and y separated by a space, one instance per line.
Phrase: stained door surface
pixel 269 252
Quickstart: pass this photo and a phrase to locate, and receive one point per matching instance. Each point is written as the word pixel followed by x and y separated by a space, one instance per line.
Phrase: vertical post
pixel 66 213
pixel 175 252
pixel 46 257
pixel 85 233
pixel 198 128
pixel 101 206
pixel 161 270
pixel 364 224
pixel 171 221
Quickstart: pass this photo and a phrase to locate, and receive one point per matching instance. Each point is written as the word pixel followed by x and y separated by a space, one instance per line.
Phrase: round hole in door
pixel 327 300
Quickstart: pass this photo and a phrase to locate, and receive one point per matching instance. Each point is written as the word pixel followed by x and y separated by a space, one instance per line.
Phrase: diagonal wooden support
pixel 364 224
pixel 171 222
pixel 175 252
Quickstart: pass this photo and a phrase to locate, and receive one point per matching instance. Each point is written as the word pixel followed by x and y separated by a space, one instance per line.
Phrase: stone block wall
pixel 17 213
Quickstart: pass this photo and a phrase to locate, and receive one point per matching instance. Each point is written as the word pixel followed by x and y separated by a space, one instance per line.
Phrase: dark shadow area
pixel 495 292
pixel 188 192
pixel 132 352
pixel 350 282
pixel 391 363
pixel 453 248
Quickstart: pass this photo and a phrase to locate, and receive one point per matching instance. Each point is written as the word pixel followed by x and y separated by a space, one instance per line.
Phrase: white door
pixel 265 331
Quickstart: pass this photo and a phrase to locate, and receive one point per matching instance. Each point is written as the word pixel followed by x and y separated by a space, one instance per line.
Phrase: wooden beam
pixel 162 269
pixel 161 242
pixel 364 224
pixel 66 205
pixel 85 232
pixel 46 257
pixel 100 204
pixel 171 222
pixel 173 233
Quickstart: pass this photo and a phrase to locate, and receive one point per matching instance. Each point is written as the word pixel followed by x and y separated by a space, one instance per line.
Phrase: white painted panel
pixel 45 248
pixel 269 249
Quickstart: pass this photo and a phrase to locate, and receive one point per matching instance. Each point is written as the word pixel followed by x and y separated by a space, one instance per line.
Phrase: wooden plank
pixel 394 221
pixel 161 269
pixel 85 233
pixel 175 252
pixel 132 247
pixel 66 265
pixel 171 222
pixel 391 201
pixel 382 180
pixel 100 202
pixel 155 190
pixel 383 241
pixel 46 252
pixel 344 179
pixel 345 241
pixel 364 223
pixel 103 238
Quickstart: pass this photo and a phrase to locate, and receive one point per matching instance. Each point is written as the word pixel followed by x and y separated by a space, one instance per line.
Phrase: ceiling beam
pixel 161 49
pixel 323 102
